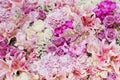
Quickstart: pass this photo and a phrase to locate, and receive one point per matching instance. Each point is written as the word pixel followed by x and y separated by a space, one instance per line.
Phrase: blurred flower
pixel 59 52
pixel 104 9
pixel 101 34
pixel 3 48
pixel 110 34
pixel 112 76
pixel 42 14
pixel 117 18
pixel 66 25
pixel 59 41
pixel 109 21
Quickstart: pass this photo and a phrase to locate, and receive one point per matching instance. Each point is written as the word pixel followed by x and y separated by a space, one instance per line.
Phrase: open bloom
pixel 109 21
pixel 104 9
pixel 110 34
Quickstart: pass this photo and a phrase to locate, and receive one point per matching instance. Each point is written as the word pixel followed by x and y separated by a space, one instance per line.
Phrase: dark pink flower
pixel 16 0
pixel 59 52
pixel 51 48
pixel 101 35
pixel 59 41
pixel 117 18
pixel 66 25
pixel 28 7
pixel 3 48
pixel 42 15
pixel 58 31
pixel 112 76
pixel 105 8
pixel 69 24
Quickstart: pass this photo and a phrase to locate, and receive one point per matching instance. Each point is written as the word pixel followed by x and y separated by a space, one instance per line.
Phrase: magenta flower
pixel 58 31
pixel 66 25
pixel 69 24
pixel 105 8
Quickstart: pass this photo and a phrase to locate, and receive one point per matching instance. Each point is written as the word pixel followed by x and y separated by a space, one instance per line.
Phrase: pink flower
pixel 12 65
pixel 3 48
pixel 117 18
pixel 77 50
pixel 88 21
pixel 68 24
pixel 28 7
pixel 105 8
pixel 42 14
pixel 59 52
pixel 112 76
pixel 56 19
pixel 109 21
pixel 101 35
pixel 16 0
pixel 5 4
pixel 110 34
pixel 5 10
pixel 59 41
pixel 58 31
pixel 51 48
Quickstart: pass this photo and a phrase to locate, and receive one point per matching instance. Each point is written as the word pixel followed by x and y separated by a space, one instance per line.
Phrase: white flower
pixel 44 36
pixel 22 76
pixel 38 26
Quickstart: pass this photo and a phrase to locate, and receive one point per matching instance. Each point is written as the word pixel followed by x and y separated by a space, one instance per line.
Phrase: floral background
pixel 59 40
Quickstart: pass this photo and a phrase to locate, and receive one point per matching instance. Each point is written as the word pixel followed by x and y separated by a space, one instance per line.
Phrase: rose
pixel 110 34
pixel 109 21
pixel 101 35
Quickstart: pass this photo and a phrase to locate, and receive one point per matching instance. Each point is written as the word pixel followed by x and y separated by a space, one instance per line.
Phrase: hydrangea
pixel 104 9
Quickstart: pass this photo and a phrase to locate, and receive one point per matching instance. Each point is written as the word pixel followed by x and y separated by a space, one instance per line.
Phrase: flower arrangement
pixel 59 40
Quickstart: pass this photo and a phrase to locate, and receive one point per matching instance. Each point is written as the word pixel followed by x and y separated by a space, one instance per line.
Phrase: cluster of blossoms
pixel 105 8
pixel 59 40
